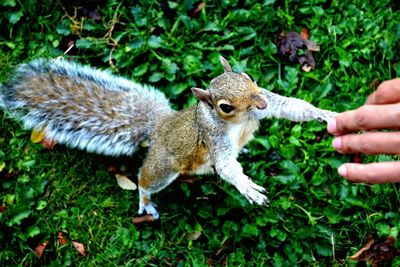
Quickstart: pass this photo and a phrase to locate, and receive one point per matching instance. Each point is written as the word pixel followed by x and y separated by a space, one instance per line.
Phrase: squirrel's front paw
pixel 253 193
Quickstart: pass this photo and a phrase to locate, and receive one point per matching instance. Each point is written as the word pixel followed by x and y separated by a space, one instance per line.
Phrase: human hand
pixel 381 111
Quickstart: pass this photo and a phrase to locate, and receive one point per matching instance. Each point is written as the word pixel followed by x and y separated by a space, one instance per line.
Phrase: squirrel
pixel 96 111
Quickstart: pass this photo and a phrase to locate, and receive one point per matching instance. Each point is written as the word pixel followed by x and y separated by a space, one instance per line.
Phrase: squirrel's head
pixel 234 96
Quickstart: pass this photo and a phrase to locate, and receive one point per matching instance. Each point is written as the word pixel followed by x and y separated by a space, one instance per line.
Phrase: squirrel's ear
pixel 225 64
pixel 202 95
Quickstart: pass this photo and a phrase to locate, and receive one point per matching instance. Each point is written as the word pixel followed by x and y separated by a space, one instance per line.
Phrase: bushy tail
pixel 83 107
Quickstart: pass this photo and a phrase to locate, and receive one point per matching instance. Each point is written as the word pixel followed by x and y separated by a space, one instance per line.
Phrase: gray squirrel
pixel 96 111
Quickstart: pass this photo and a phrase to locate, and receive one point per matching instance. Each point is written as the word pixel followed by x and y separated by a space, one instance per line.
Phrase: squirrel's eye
pixel 226 108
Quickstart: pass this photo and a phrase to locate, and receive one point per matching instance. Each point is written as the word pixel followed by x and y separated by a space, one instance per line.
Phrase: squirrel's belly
pixel 206 168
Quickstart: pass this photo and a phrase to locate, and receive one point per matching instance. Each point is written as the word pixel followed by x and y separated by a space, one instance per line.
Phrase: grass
pixel 315 218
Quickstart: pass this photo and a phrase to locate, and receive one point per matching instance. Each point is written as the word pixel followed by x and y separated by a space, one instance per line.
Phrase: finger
pixel 368 143
pixel 375 173
pixel 365 118
pixel 388 92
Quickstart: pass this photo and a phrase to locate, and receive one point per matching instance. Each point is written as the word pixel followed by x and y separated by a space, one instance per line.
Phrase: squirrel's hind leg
pixel 145 204
pixel 152 180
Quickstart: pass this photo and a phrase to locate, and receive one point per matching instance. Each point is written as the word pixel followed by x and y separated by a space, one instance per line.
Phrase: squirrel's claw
pixel 253 193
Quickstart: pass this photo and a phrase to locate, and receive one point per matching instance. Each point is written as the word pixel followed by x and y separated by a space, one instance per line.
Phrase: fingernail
pixel 331 125
pixel 337 143
pixel 342 170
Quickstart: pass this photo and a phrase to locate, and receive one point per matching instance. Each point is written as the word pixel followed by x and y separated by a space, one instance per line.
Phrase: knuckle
pixel 361 118
pixel 355 143
pixel 364 146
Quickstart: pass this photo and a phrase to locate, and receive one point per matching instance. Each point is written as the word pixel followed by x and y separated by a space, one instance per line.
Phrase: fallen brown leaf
pixel 197 10
pixel 362 250
pixel 79 247
pixel 40 249
pixel 143 219
pixel 194 235
pixel 124 182
pixel 296 47
pixel 37 135
pixel 375 83
pixel 48 143
pixel 187 179
pixel 378 253
pixel 305 33
pixel 61 238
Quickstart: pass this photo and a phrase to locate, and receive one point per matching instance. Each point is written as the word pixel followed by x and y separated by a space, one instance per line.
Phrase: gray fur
pixel 89 129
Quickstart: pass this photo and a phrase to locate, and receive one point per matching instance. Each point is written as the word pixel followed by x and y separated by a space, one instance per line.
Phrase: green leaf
pixel 141 69
pixel 264 142
pixel 26 165
pixel 169 66
pixel 41 204
pixel 250 230
pixel 155 77
pixel 33 231
pixel 63 29
pixel 269 2
pixel 17 219
pixel 191 64
pixel 383 229
pixel 278 234
pixel 14 17
pixel 289 167
pixel 2 166
pixel 155 41
pixel 296 131
pixel 294 141
pixel 136 44
pixel 323 90
pixel 84 43
pixel 11 3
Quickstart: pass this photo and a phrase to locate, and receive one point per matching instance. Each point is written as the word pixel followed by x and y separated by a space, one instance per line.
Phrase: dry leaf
pixel 194 235
pixel 188 179
pixel 305 33
pixel 79 247
pixel 3 209
pixel 40 249
pixel 378 253
pixel 61 238
pixel 365 248
pixel 37 135
pixel 48 143
pixel 296 47
pixel 197 10
pixel 143 219
pixel 124 182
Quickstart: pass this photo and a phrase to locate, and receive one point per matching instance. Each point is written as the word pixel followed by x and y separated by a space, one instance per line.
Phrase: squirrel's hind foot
pixel 150 210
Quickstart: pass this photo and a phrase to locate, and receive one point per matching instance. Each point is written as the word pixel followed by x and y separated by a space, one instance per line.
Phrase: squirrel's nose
pixel 261 105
